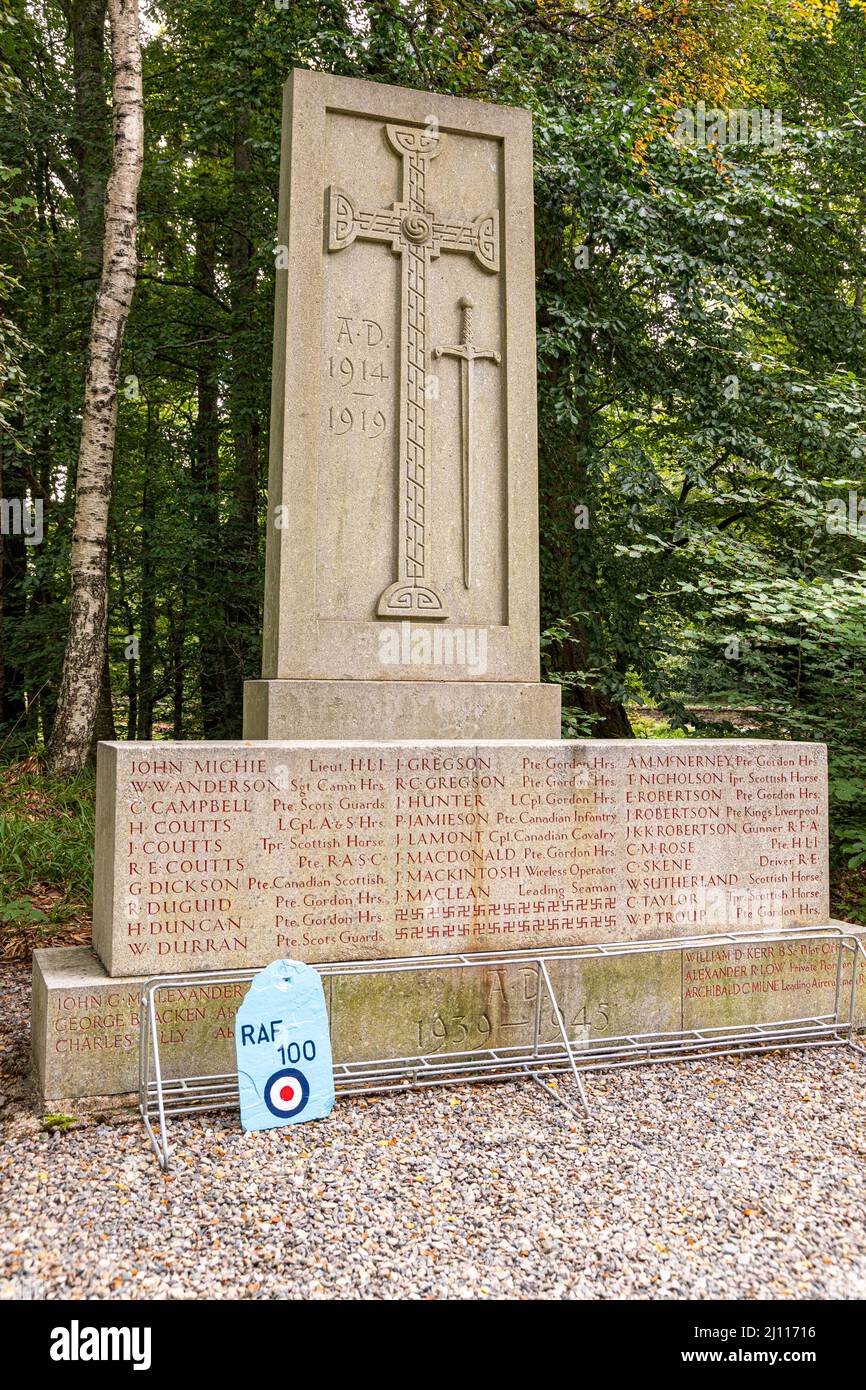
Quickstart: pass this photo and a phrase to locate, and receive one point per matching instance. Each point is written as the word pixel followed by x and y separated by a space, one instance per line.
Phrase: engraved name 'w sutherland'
pixel 418 235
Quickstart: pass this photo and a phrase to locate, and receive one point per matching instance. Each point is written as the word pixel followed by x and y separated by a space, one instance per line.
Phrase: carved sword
pixel 468 353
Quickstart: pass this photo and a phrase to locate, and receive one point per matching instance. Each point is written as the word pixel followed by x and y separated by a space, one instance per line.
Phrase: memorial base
pixel 375 710
pixel 85 1023
pixel 535 1058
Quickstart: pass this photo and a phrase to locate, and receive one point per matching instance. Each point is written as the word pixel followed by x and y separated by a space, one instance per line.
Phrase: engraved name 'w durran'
pixel 417 235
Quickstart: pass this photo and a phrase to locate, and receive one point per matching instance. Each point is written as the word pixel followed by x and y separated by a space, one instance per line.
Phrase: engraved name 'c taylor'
pixel 418 235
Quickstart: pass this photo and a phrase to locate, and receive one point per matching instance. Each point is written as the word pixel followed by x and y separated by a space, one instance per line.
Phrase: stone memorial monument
pixel 401 789
pixel 401 590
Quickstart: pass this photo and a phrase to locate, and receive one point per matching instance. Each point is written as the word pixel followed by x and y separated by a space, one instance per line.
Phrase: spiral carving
pixel 416 228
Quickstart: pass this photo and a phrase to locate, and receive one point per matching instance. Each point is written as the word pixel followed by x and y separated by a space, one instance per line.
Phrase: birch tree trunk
pixel 85 644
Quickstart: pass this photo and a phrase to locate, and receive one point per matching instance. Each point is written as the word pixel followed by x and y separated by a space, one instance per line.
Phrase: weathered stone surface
pixel 766 982
pixel 85 1024
pixel 403 433
pixel 233 855
pixel 405 709
pixel 460 1010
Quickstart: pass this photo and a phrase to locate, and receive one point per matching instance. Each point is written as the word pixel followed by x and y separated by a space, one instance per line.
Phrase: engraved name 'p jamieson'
pixel 418 235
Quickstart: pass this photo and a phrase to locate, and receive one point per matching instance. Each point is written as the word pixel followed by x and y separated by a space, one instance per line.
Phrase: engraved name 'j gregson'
pixel 418 236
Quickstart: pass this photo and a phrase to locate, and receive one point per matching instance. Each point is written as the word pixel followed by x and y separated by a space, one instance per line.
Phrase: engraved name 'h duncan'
pixel 417 235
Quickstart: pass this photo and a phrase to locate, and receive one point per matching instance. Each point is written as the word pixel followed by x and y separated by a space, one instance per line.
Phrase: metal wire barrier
pixel 162 1098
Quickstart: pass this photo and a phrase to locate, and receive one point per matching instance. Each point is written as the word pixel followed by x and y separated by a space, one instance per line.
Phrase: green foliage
pixel 59 1123
pixel 701 366
pixel 793 649
pixel 20 912
pixel 46 843
pixel 701 343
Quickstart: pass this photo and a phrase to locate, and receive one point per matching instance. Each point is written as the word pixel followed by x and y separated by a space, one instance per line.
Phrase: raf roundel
pixel 286 1092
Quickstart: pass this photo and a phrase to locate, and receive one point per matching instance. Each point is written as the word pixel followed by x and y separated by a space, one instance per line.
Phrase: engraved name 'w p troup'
pixel 417 235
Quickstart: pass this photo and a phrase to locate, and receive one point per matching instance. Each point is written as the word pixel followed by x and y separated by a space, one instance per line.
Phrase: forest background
pixel 700 179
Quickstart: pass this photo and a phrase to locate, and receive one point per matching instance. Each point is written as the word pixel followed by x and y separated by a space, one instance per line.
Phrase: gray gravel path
pixel 725 1180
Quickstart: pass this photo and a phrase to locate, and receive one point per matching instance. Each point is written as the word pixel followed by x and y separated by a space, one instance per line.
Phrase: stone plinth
pixel 222 856
pixel 400 709
pixel 85 1024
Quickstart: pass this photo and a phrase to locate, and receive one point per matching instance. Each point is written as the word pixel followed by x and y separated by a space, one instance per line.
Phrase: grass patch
pixel 46 857
pixel 59 1122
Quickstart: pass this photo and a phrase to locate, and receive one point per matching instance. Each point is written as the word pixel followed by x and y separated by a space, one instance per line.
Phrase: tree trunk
pixel 84 656
pixel 147 636
pixel 177 637
pixel 562 484
pixel 13 573
pixel 104 726
pixel 129 651
pixel 241 608
pixel 89 139
pixel 207 615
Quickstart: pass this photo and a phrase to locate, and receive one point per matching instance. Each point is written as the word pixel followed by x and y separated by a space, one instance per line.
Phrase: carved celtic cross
pixel 417 235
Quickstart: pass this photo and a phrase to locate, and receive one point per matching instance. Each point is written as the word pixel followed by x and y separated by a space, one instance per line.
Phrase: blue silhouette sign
pixel 283 1046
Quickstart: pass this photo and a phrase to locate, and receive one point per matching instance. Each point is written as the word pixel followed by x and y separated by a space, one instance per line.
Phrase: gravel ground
pixel 725 1180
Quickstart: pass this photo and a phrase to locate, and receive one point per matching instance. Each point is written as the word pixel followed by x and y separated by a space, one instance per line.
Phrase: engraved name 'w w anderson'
pixel 418 236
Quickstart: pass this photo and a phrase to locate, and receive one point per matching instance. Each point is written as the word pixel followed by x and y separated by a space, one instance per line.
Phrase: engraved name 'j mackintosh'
pixel 418 235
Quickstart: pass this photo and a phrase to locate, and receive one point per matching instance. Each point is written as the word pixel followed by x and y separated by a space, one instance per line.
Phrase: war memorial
pixel 402 789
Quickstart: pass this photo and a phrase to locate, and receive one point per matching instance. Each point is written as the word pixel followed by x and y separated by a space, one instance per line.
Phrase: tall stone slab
pixel 401 595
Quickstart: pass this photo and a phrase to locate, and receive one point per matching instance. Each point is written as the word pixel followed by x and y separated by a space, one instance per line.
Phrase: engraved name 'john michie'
pixel 418 235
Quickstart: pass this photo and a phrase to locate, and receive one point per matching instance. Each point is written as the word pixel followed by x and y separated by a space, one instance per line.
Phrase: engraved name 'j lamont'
pixel 417 644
